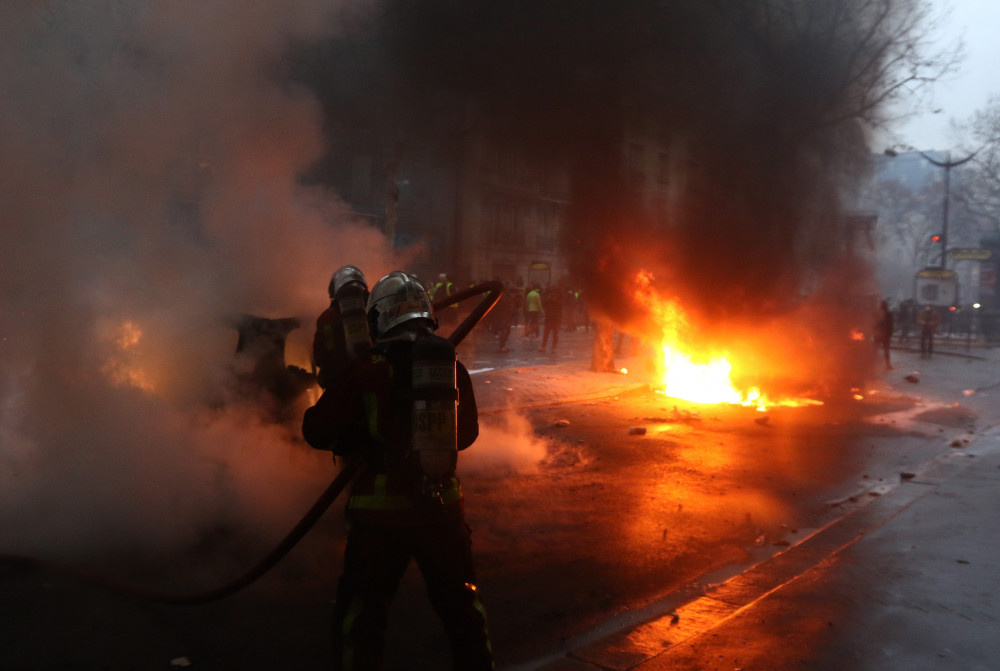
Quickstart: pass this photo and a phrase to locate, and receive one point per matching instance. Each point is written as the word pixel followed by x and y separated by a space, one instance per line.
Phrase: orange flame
pixel 699 377
pixel 122 367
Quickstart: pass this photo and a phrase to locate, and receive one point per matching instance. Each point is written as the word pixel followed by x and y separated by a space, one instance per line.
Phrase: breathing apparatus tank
pixel 349 291
pixel 435 411
pixel 399 310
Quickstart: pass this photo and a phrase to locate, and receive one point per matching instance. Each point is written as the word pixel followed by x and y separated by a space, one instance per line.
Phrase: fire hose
pixel 491 292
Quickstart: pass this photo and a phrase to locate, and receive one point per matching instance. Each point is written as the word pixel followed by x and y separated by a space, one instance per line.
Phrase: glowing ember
pixel 696 377
pixel 122 367
pixel 857 335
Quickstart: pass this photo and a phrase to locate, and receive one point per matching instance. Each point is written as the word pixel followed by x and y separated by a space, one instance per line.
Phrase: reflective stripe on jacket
pixel 378 498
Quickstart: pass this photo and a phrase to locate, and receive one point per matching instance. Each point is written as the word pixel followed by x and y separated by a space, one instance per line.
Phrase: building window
pixel 547 231
pixel 506 222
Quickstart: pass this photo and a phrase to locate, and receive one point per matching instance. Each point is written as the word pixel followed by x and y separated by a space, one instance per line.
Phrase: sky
pixel 975 22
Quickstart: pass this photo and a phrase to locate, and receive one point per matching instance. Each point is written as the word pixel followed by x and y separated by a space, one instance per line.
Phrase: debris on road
pixel 180 661
pixel 637 431
pixel 562 423
pixel 913 377
pixel 762 420
pixel 905 475
pixel 685 415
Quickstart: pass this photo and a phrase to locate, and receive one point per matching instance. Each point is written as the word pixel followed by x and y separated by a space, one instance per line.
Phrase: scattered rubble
pixel 685 415
pixel 913 377
pixel 561 423
pixel 762 420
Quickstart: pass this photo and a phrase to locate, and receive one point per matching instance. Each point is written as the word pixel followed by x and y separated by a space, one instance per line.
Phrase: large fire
pixel 699 377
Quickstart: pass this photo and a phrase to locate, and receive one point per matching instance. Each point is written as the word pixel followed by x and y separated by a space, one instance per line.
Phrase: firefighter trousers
pixel 375 560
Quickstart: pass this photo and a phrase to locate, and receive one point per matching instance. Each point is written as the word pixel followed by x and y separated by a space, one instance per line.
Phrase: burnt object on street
pixel 261 371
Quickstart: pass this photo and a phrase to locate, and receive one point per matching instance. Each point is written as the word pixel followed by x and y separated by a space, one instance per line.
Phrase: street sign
pixel 970 253
pixel 936 274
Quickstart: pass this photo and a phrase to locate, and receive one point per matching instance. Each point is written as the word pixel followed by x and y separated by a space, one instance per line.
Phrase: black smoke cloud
pixel 756 102
pixel 762 100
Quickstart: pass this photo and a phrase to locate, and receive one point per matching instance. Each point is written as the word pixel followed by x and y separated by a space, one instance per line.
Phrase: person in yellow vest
pixel 442 288
pixel 532 310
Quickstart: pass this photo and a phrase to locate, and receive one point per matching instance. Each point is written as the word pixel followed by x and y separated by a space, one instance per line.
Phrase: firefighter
pixel 342 329
pixel 404 409
pixel 442 289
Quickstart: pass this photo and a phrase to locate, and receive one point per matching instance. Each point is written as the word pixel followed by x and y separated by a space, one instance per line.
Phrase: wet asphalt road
pixel 607 526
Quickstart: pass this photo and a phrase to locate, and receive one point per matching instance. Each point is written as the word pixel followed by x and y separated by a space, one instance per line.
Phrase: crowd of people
pixel 543 311
pixel 914 324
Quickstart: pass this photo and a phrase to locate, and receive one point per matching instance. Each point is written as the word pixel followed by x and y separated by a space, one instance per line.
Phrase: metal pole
pixel 944 225
pixel 948 164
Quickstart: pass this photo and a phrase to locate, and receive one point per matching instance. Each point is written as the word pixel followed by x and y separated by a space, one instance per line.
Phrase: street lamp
pixel 947 164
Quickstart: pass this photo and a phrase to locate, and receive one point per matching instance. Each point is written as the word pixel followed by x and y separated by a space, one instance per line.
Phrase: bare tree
pixel 979 188
pixel 907 221
pixel 855 57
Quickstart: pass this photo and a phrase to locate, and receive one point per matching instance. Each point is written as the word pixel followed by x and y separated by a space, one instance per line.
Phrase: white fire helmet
pixel 397 299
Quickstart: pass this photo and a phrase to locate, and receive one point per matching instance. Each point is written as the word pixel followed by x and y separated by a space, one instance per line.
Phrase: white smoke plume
pixel 149 195
pixel 507 443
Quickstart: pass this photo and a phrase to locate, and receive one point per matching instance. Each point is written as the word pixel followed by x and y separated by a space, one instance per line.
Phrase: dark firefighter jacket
pixel 366 414
pixel 329 348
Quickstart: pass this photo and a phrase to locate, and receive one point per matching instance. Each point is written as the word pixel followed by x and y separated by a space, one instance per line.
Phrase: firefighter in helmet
pixel 407 407
pixel 342 329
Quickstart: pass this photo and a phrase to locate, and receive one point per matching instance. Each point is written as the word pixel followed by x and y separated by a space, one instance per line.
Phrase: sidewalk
pixel 909 581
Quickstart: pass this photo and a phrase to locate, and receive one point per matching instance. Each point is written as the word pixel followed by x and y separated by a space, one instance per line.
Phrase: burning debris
pixel 261 367
pixel 693 372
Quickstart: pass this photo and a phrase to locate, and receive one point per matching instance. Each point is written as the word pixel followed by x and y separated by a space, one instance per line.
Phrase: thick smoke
pixel 761 102
pixel 150 193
